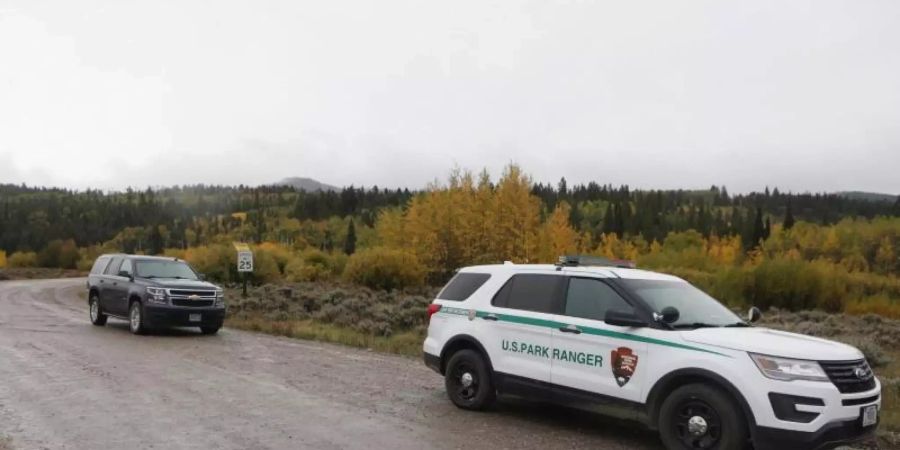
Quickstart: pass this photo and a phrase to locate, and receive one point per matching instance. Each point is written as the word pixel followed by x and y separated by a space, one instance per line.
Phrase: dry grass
pixel 35 273
pixel 406 343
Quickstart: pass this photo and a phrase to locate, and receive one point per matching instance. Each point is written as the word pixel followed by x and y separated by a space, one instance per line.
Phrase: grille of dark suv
pixel 188 293
pixel 850 376
pixel 192 303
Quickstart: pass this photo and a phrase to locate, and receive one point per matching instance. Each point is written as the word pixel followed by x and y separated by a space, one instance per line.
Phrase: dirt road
pixel 65 384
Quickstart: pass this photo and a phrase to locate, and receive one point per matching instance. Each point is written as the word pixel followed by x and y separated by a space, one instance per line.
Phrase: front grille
pixel 192 303
pixel 188 293
pixel 846 376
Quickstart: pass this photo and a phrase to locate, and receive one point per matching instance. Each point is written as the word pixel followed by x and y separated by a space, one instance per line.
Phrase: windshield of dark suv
pixel 696 308
pixel 164 269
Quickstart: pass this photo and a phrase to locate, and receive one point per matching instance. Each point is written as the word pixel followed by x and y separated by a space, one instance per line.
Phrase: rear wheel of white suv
pixel 468 381
pixel 697 416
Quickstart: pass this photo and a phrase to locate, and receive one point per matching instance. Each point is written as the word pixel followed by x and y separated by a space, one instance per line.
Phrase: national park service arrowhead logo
pixel 623 362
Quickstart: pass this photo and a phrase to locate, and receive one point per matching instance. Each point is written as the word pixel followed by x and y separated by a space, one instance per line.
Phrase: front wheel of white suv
pixel 697 416
pixel 468 381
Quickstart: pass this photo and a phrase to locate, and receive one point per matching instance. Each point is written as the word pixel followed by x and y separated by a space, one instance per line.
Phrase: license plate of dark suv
pixel 194 317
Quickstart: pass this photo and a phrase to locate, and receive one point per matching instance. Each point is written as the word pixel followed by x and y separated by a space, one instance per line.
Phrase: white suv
pixel 645 346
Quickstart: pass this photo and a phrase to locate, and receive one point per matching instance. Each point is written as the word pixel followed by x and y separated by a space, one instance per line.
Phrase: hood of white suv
pixel 773 343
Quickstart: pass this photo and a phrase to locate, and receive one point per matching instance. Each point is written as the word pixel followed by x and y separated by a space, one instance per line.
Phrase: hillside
pixel 307 184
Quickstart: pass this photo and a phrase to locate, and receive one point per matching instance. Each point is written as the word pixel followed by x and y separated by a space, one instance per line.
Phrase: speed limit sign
pixel 245 262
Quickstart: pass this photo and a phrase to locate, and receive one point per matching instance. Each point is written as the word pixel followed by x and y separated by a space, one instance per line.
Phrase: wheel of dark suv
pixel 97 316
pixel 136 319
pixel 209 330
pixel 468 381
pixel 697 416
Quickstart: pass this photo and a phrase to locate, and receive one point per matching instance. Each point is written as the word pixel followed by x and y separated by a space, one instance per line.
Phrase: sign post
pixel 244 262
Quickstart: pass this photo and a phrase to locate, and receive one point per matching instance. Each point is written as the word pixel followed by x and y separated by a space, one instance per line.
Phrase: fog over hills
pixel 306 184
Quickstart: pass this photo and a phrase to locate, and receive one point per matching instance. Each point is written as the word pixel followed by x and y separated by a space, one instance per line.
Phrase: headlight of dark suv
pixel 156 295
pixel 220 297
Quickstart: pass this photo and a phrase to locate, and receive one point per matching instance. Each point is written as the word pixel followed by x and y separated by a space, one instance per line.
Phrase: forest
pixel 770 248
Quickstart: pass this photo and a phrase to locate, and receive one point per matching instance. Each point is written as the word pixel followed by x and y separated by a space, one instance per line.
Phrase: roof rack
pixel 593 261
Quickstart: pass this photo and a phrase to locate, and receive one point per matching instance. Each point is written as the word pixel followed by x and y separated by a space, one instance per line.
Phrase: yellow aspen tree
pixel 559 238
pixel 886 256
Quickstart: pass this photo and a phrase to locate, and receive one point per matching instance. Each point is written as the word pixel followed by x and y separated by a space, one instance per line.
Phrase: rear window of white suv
pixel 462 286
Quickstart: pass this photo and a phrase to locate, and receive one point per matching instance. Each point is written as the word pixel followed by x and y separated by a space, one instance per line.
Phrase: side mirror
pixel 201 276
pixel 126 274
pixel 623 319
pixel 669 315
pixel 754 315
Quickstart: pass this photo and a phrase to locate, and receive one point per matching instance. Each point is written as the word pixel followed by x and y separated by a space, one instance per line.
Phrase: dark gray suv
pixel 153 292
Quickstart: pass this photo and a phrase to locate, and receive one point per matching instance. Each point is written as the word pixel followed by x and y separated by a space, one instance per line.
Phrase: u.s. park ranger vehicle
pixel 600 335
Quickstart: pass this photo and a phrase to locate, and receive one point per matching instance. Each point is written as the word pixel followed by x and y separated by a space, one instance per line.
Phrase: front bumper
pixel 167 316
pixel 832 435
pixel 835 421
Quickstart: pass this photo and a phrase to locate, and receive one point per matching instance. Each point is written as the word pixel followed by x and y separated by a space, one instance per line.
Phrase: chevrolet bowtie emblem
pixel 193 297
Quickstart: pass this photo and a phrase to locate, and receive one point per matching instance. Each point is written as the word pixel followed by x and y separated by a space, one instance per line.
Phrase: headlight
pixel 220 297
pixel 156 295
pixel 786 369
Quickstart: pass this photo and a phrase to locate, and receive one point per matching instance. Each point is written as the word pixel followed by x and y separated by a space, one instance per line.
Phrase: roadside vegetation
pixel 770 249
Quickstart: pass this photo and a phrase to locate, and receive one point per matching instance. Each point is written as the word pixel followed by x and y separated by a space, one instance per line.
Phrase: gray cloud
pixel 803 95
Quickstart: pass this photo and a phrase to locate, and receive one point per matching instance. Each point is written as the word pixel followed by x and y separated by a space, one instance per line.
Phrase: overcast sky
pixel 800 94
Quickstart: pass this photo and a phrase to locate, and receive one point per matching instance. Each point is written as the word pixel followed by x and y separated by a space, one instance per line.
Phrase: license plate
pixel 194 317
pixel 870 415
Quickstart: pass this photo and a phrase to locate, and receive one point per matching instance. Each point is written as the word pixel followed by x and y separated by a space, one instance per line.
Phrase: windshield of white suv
pixel 696 308
pixel 164 269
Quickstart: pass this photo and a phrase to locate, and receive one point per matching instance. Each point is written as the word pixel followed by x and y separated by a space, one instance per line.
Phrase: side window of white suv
pixel 591 299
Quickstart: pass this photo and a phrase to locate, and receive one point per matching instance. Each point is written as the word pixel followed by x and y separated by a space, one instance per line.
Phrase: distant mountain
pixel 307 184
pixel 869 196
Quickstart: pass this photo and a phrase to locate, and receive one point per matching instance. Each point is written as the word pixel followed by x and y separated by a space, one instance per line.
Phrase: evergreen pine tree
pixel 788 216
pixel 758 233
pixel 350 242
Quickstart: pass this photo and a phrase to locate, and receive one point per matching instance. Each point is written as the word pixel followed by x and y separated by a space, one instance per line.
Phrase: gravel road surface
pixel 65 384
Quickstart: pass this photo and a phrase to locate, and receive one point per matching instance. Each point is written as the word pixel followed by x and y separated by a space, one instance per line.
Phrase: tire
pixel 210 330
pixel 136 319
pixel 468 381
pixel 699 416
pixel 95 312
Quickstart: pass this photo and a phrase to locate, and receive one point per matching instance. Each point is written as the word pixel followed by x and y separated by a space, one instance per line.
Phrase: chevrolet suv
pixel 153 292
pixel 648 347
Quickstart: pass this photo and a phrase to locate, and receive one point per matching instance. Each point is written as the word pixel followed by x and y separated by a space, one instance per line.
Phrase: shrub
pixel 2 259
pixel 383 268
pixel 22 259
pixel 880 304
pixel 59 253
pixel 311 265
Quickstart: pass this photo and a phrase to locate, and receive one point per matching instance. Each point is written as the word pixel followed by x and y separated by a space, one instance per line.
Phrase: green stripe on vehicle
pixel 511 318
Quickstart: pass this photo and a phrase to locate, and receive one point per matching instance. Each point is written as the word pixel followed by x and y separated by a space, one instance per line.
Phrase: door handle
pixel 101 282
pixel 570 329
pixel 491 317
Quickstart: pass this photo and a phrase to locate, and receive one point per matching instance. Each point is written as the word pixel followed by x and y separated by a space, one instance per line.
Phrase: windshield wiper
pixel 738 325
